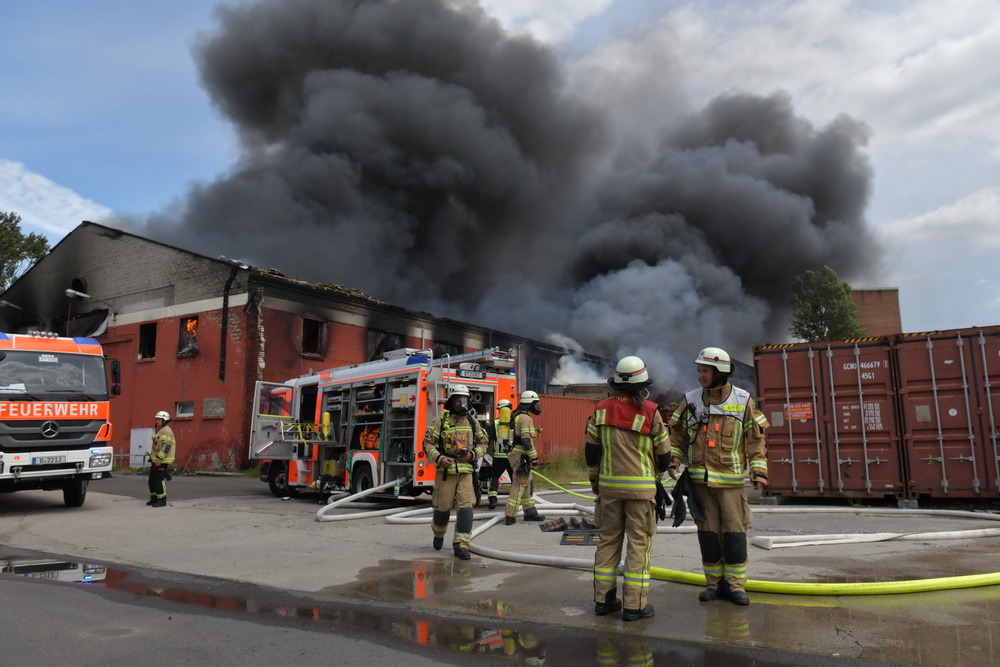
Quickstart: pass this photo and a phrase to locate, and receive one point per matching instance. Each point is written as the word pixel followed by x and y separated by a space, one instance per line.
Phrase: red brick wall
pixel 878 310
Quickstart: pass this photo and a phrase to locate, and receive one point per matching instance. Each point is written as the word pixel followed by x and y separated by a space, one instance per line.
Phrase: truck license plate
pixel 45 460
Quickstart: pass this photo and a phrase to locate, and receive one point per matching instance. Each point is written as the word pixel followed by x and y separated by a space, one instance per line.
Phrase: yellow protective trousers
pixel 618 519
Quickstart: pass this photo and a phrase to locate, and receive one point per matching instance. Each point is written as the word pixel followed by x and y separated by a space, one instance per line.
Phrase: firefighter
pixel 522 458
pixel 627 452
pixel 161 455
pixel 454 441
pixel 503 434
pixel 718 432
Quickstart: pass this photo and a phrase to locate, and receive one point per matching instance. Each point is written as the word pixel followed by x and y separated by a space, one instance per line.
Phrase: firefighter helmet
pixel 458 390
pixel 163 414
pixel 630 375
pixel 529 397
pixel 504 403
pixel 716 357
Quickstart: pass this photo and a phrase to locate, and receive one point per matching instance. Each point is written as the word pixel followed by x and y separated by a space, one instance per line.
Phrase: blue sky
pixel 104 118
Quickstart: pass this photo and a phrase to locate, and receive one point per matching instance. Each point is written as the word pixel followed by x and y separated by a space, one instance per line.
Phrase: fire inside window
pixel 187 344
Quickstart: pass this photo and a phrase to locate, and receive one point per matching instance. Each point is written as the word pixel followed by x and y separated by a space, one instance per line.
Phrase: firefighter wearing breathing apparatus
pixel 454 442
pixel 627 453
pixel 523 457
pixel 718 432
pixel 503 433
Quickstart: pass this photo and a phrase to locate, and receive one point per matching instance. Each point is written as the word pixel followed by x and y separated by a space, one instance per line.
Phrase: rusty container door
pixel 949 382
pixel 563 423
pixel 834 431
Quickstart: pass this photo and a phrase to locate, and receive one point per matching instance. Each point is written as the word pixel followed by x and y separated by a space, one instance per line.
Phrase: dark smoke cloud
pixel 416 151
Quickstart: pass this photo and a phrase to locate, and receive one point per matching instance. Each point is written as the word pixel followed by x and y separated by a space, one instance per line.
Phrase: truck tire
pixel 75 492
pixel 361 478
pixel 277 480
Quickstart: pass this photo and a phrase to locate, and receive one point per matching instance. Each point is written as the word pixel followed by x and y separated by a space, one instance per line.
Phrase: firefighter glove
pixel 662 501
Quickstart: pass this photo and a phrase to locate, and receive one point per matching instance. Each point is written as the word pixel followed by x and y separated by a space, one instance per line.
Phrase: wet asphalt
pixel 227 543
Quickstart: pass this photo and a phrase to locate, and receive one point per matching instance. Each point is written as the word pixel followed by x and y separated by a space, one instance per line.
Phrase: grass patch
pixel 564 472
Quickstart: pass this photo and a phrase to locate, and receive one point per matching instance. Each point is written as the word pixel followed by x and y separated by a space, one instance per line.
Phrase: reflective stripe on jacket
pixel 719 440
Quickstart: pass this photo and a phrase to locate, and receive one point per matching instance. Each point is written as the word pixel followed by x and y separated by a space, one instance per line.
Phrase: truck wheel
pixel 277 480
pixel 361 478
pixel 75 492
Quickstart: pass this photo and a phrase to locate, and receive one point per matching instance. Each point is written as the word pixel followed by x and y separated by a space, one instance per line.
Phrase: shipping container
pixel 563 423
pixel 908 416
pixel 831 406
pixel 948 381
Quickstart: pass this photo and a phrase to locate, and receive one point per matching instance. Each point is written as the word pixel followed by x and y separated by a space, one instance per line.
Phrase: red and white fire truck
pixel 55 426
pixel 356 427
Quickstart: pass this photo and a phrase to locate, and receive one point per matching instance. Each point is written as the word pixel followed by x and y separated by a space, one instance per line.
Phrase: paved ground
pixel 235 530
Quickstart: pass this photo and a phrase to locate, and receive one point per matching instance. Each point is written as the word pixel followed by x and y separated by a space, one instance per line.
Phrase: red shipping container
pixel 949 383
pixel 564 426
pixel 832 410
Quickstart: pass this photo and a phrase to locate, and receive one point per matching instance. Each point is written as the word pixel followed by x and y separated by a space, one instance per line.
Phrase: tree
pixel 822 308
pixel 18 252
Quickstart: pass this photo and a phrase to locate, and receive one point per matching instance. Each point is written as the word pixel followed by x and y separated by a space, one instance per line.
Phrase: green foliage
pixel 18 252
pixel 822 308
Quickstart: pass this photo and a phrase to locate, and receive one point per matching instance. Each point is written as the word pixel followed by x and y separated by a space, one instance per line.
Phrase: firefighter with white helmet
pixel 502 438
pixel 522 458
pixel 161 455
pixel 718 432
pixel 454 442
pixel 626 452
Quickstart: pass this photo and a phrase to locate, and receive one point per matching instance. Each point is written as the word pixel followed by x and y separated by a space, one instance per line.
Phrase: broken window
pixel 147 341
pixel 313 338
pixel 187 343
pixel 380 342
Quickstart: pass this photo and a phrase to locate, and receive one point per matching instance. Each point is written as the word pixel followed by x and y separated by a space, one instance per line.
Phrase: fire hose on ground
pixel 422 516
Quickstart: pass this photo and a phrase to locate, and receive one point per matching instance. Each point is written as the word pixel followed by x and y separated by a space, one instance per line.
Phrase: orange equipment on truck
pixel 356 427
pixel 55 427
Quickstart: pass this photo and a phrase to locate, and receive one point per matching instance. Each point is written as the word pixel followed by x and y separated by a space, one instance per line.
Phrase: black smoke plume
pixel 415 150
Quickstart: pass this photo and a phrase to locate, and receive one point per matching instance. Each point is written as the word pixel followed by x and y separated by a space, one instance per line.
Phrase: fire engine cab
pixel 356 427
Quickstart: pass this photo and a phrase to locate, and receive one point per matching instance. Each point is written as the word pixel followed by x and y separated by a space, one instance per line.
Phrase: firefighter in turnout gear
pixel 718 432
pixel 455 441
pixel 521 459
pixel 627 453
pixel 503 434
pixel 161 455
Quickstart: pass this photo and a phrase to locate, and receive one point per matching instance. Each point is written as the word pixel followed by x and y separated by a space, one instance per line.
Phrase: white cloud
pixel 550 21
pixel 969 223
pixel 946 258
pixel 47 207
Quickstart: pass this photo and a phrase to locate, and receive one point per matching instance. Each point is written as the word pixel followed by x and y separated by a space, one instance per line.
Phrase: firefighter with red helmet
pixel 522 458
pixel 454 442
pixel 718 432
pixel 626 452
pixel 161 455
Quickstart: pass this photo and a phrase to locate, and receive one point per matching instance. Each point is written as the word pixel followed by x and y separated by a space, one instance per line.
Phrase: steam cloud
pixel 418 152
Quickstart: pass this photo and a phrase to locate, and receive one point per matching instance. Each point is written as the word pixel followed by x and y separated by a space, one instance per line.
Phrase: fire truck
pixel 356 427
pixel 55 428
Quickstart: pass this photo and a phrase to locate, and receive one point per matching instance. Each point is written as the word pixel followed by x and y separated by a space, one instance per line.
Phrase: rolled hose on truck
pixel 414 516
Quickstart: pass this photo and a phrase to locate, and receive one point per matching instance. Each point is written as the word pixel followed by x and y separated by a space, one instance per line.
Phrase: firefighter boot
pixel 152 499
pixel 637 614
pixel 531 514
pixel 711 562
pixel 510 521
pixel 734 556
pixel 461 551
pixel 160 502
pixel 611 603
pixel 438 543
